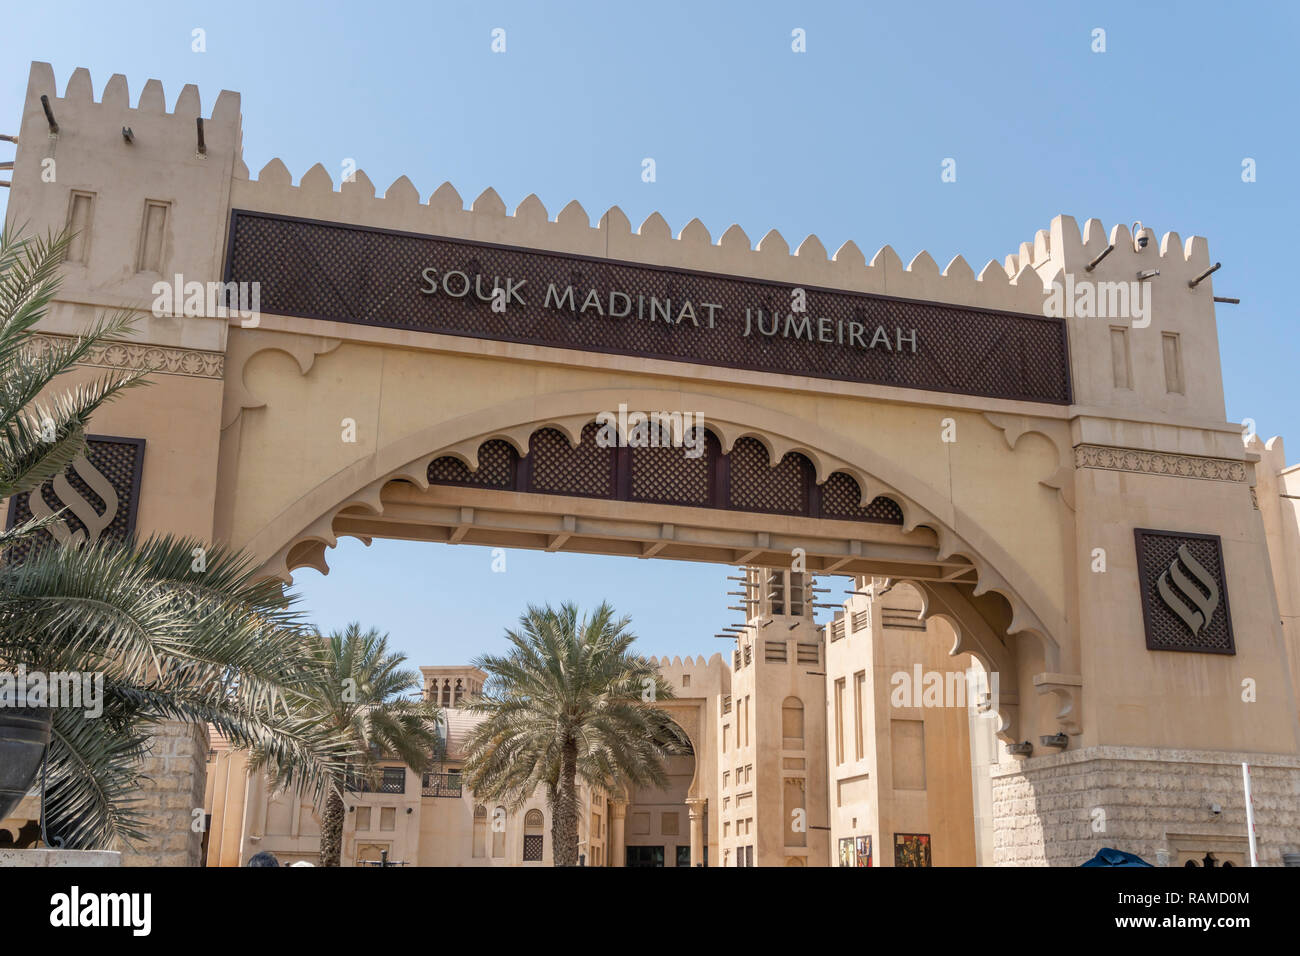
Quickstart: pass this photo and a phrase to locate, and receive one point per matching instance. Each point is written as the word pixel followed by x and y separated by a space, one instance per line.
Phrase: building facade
pixel 809 749
pixel 1038 451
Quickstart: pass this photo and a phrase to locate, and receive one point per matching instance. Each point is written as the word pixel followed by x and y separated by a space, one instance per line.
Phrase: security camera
pixel 1216 809
pixel 1141 236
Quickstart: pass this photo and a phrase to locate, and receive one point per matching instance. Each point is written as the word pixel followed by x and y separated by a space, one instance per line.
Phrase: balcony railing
pixel 393 780
pixel 441 785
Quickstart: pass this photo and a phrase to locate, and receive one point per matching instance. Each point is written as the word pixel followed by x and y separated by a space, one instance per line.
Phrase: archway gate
pixel 426 371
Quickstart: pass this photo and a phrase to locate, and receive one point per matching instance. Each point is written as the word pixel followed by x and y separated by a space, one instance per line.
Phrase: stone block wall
pixel 176 772
pixel 1059 810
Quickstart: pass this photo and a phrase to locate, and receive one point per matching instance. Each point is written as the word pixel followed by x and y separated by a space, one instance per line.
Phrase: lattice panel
pixel 119 462
pixel 755 486
pixel 841 494
pixel 373 277
pixel 496 467
pixel 667 476
pixel 533 848
pixel 586 471
pixel 1159 559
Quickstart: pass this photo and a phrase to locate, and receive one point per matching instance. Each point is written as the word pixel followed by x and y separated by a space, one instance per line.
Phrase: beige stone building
pixel 797 750
pixel 1034 459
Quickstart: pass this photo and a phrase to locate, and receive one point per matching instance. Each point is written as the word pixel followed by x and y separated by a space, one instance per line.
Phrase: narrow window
pixel 152 233
pixel 480 832
pixel 1120 360
pixel 859 701
pixel 499 833
pixel 839 720
pixel 1173 363
pixel 80 210
pixel 792 724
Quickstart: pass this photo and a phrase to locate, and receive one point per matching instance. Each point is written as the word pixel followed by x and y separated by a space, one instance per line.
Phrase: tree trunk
pixel 331 829
pixel 564 823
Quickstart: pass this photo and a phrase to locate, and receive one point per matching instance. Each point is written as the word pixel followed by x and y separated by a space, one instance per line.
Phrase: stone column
pixel 696 806
pixel 170 795
pixel 617 843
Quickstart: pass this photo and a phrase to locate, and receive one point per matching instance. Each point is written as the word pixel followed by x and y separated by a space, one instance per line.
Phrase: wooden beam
pixel 557 541
pixel 652 548
pixel 466 522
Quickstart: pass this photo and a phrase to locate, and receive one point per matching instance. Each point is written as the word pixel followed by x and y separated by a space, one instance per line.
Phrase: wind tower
pixel 772 727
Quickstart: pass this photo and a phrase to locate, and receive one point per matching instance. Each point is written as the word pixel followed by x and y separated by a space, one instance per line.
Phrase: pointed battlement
pixel 77 114
pixel 487 219
pixel 1018 284
pixel 79 93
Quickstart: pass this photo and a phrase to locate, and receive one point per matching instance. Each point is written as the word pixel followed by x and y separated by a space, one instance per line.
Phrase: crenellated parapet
pixel 145 188
pixel 572 230
pixel 695 676
pixel 162 163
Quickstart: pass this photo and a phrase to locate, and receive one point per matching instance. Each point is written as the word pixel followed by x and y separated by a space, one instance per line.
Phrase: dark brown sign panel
pixel 343 273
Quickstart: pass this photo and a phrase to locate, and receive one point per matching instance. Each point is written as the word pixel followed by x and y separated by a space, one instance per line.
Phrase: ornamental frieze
pixel 166 360
pixel 1158 463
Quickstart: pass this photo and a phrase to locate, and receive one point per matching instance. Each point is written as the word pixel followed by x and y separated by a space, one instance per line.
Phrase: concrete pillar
pixel 618 844
pixel 695 807
pixel 177 768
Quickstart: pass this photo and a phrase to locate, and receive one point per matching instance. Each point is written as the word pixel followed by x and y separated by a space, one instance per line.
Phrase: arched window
pixel 534 840
pixel 446 693
pixel 792 723
pixel 498 824
pixel 480 832
pixel 460 692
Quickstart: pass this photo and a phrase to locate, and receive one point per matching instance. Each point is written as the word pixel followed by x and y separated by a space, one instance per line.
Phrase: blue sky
pixel 844 140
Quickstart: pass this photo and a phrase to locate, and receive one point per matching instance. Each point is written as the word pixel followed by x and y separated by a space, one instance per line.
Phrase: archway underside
pixel 549 486
pixel 507 519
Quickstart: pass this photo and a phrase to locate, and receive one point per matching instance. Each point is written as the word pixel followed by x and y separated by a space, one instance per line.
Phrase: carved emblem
pixel 1184 592
pixel 96 499
pixel 1197 616
pixel 95 522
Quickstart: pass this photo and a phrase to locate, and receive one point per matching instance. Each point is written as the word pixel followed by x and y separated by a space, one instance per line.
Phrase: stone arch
pixel 976 635
pixel 299 535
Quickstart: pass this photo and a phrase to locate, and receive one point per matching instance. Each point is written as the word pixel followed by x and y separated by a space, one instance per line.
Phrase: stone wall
pixel 176 772
pixel 1059 810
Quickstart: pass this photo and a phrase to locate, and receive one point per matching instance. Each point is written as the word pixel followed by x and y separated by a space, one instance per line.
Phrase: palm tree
pixel 570 701
pixel 215 645
pixel 354 694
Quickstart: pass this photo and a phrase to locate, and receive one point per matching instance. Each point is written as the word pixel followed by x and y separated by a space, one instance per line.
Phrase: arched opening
pixel 479 847
pixel 658 825
pixel 498 824
pixel 792 723
pixel 742 502
pixel 534 836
